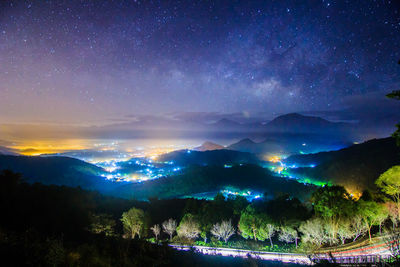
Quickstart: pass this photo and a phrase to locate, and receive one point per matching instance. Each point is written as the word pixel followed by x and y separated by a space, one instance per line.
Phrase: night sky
pixel 98 62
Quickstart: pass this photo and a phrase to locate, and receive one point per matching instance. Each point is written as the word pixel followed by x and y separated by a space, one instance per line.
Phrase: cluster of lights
pixel 283 170
pixel 247 194
pixel 148 169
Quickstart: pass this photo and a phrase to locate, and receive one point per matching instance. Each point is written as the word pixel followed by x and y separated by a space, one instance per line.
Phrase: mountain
pixel 7 151
pixel 211 179
pixel 211 157
pixel 290 143
pixel 297 123
pixel 356 167
pixel 245 145
pixel 208 146
pixel 57 171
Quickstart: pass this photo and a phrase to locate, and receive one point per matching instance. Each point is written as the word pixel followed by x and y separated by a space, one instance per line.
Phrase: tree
pixel 333 203
pixel 102 223
pixel 223 230
pixel 358 227
pixel 393 213
pixel 133 221
pixel 389 182
pixel 344 231
pixel 156 230
pixel 288 234
pixel 266 231
pixel 249 223
pixel 188 227
pixel 372 214
pixel 169 227
pixel 313 231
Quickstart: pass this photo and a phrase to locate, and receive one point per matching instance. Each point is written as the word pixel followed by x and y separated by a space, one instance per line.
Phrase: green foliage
pixel 238 203
pixel 103 224
pixel 389 181
pixel 288 234
pixel 256 225
pixel 313 231
pixel 249 223
pixel 287 211
pixel 266 229
pixel 332 202
pixel 188 228
pixel 133 221
pixel 373 213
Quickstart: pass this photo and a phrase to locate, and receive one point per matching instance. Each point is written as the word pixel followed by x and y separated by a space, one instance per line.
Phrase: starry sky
pixel 100 62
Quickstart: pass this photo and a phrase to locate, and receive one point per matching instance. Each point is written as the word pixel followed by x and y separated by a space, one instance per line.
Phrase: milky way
pixel 97 61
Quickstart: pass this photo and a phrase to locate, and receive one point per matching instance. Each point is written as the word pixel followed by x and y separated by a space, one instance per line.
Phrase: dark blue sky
pixel 100 61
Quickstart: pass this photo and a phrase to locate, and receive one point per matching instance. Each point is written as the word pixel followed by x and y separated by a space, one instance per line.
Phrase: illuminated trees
pixel 313 231
pixel 358 227
pixel 389 182
pixel 333 203
pixel 223 230
pixel 266 230
pixel 250 223
pixel 288 234
pixel 372 213
pixel 169 227
pixel 393 213
pixel 156 230
pixel 188 227
pixel 102 223
pixel 256 225
pixel 345 231
pixel 133 221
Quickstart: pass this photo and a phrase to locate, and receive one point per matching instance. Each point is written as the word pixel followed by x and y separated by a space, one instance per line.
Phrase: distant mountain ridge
pixel 297 123
pixel 7 151
pixel 210 157
pixel 290 143
pixel 57 171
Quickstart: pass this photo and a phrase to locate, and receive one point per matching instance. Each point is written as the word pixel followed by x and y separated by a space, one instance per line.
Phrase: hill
pixel 203 179
pixel 56 171
pixel 7 151
pixel 290 143
pixel 356 167
pixel 208 146
pixel 212 157
pixel 297 123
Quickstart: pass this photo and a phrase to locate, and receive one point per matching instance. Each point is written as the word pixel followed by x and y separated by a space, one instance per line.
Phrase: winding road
pixel 364 253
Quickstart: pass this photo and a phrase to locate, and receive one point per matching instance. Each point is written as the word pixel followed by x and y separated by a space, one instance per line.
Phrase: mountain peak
pixel 206 146
pixel 297 116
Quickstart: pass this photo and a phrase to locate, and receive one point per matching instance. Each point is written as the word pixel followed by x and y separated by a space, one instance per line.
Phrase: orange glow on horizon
pixel 274 159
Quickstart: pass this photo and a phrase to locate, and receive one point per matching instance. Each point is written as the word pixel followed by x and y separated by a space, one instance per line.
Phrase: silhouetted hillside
pixel 297 123
pixel 356 167
pixel 291 143
pixel 208 146
pixel 7 151
pixel 214 157
pixel 198 179
pixel 57 171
